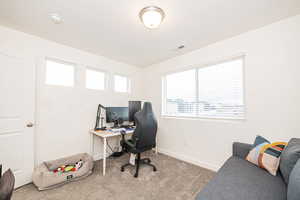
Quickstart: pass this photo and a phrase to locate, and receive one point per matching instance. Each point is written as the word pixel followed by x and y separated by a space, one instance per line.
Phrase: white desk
pixel 104 135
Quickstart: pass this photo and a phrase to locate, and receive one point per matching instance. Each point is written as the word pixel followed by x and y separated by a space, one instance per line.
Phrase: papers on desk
pixel 116 130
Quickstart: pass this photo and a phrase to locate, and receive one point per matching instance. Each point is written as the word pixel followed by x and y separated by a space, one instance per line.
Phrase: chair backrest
pixel 144 135
pixel 7 183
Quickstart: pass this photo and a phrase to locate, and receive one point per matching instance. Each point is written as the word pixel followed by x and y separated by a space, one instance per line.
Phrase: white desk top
pixel 108 133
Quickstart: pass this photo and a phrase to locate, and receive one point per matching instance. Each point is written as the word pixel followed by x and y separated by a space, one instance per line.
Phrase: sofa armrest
pixel 294 183
pixel 241 150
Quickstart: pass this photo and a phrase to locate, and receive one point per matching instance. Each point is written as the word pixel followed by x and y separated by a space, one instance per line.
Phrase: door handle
pixel 30 124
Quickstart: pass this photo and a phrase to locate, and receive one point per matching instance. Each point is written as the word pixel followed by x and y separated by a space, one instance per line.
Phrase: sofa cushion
pixel 294 183
pixel 238 179
pixel 289 157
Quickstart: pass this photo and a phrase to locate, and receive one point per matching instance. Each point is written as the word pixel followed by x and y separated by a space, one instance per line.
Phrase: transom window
pixel 59 73
pixel 121 84
pixel 94 79
pixel 214 91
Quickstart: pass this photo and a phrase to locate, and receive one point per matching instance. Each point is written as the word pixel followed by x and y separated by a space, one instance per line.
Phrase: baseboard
pixel 188 159
pixel 97 157
pixel 177 156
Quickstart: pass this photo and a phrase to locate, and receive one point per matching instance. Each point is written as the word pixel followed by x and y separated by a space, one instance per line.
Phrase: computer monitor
pixel 114 114
pixel 134 107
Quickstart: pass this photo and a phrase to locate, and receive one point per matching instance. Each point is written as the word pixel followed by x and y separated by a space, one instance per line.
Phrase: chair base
pixel 138 161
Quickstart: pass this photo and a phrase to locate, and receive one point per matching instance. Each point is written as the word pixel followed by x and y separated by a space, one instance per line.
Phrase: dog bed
pixel 44 176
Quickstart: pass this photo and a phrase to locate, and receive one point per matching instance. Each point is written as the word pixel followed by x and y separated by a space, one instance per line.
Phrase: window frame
pixel 210 64
pixel 128 90
pixel 97 70
pixel 60 61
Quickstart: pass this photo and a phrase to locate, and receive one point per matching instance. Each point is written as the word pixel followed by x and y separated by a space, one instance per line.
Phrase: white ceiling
pixel 111 28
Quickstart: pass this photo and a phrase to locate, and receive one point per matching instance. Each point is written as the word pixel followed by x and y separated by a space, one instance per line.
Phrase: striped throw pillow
pixel 266 155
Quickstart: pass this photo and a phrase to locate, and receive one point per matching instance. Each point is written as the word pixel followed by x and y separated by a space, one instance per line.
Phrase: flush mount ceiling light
pixel 152 16
pixel 181 46
pixel 56 18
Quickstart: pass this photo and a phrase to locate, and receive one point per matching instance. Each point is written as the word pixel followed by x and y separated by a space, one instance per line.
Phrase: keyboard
pixel 126 126
pixel 114 130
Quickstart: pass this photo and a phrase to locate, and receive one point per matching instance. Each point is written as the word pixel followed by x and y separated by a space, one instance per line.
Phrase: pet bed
pixel 45 175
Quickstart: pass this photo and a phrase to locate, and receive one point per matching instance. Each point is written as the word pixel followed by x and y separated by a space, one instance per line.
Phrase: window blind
pixel 180 93
pixel 214 91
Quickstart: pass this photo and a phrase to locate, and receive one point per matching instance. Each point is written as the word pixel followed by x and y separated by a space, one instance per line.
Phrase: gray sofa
pixel 239 179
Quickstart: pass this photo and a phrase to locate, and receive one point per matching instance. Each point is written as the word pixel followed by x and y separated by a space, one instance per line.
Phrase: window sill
pixel 118 92
pixel 57 85
pixel 203 118
pixel 96 90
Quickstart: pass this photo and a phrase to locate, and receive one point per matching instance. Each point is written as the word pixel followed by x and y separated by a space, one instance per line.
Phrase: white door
pixel 17 103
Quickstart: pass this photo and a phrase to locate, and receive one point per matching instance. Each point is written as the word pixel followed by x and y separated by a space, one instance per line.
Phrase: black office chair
pixel 143 138
pixel 7 183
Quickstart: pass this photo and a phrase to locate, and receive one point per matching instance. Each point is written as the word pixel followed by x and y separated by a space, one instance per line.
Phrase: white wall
pixel 66 114
pixel 271 91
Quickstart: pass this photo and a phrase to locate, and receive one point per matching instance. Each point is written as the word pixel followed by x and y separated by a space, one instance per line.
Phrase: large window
pixel 214 91
pixel 95 79
pixel 121 84
pixel 59 73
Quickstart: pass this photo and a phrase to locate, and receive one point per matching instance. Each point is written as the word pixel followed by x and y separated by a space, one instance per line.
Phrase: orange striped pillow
pixel 267 156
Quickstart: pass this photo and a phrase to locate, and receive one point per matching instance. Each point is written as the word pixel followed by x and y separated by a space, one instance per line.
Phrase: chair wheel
pixel 135 175
pixel 154 169
pixel 122 169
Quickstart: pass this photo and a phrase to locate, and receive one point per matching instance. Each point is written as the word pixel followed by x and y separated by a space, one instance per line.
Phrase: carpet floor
pixel 174 179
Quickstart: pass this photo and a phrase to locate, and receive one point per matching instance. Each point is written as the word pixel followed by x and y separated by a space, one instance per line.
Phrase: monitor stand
pixel 116 124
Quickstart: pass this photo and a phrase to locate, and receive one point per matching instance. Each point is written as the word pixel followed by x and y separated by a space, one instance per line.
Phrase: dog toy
pixel 68 168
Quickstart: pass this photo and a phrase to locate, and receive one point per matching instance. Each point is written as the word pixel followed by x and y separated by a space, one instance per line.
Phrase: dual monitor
pixel 118 115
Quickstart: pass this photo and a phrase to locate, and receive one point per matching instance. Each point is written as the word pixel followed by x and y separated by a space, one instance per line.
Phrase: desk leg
pixel 92 145
pixel 104 156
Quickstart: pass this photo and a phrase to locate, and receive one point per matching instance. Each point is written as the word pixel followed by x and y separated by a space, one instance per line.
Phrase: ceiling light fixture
pixel 152 16
pixel 181 46
pixel 56 18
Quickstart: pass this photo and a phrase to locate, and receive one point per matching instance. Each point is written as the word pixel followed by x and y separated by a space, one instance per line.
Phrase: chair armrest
pixel 241 150
pixel 129 144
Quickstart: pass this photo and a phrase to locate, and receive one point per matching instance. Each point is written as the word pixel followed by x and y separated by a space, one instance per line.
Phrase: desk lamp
pixel 100 107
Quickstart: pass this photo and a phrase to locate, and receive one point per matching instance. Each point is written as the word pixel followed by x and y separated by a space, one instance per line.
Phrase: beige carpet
pixel 173 180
